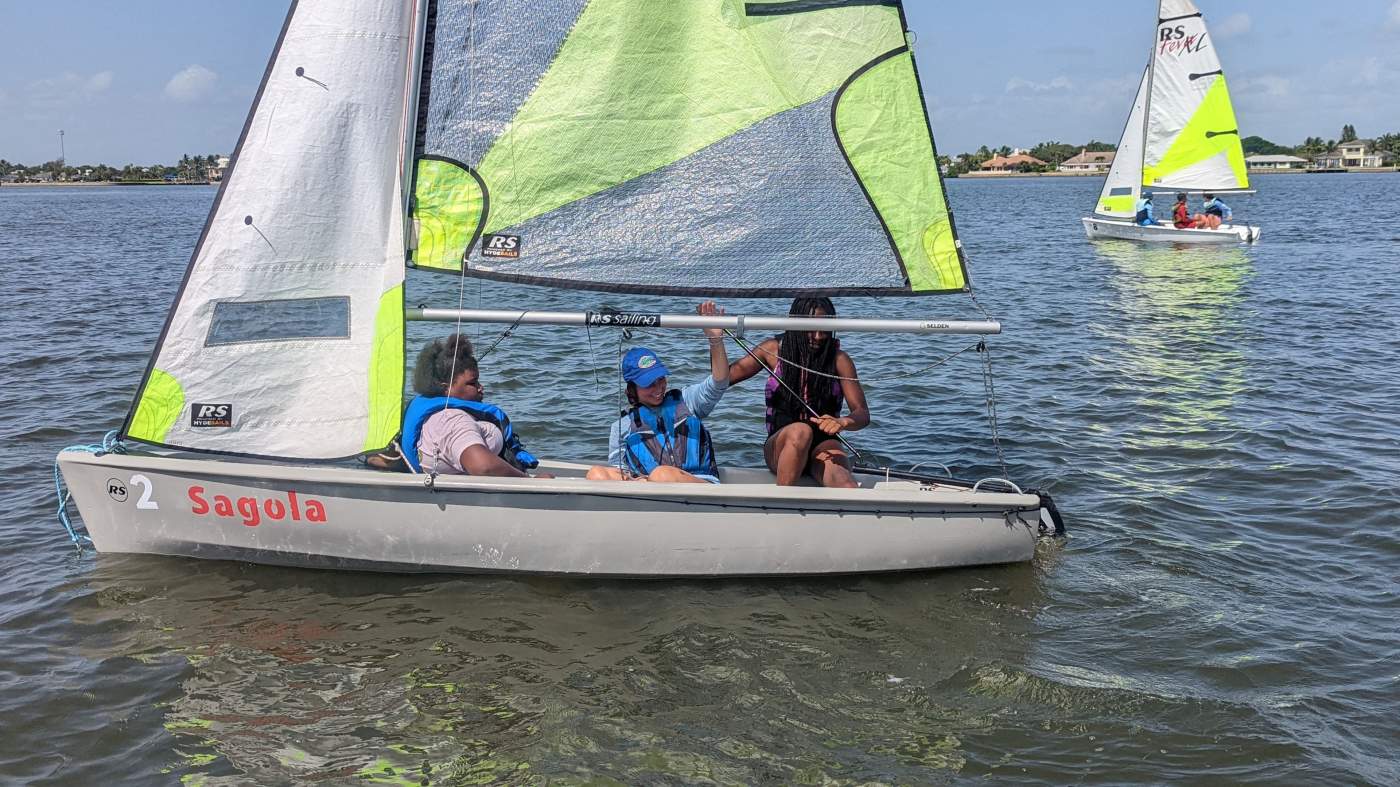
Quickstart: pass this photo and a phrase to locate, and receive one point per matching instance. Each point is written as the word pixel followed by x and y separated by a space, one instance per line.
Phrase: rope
pixel 111 444
pixel 462 275
pixel 989 384
pixel 866 379
pixel 504 335
pixel 795 395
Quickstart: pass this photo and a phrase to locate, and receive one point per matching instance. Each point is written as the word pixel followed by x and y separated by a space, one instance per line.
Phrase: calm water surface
pixel 1219 425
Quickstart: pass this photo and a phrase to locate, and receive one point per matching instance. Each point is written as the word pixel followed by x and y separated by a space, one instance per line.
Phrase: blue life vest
pixel 1218 208
pixel 424 407
pixel 1145 215
pixel 668 434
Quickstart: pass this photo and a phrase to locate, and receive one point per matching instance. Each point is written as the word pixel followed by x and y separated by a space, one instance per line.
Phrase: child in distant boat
pixel 809 378
pixel 1145 215
pixel 1181 214
pixel 661 436
pixel 1216 212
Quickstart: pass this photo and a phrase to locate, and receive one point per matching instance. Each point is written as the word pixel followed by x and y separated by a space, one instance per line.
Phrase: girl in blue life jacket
pixel 1216 211
pixel 447 429
pixel 661 437
pixel 1146 216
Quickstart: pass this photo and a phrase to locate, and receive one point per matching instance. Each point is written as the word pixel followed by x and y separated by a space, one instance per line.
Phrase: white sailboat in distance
pixel 706 147
pixel 1181 136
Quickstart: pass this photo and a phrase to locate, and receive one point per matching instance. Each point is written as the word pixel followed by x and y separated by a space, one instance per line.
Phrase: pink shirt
pixel 447 434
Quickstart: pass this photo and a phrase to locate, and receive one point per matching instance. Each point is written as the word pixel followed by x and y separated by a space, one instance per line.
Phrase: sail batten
pixel 707 146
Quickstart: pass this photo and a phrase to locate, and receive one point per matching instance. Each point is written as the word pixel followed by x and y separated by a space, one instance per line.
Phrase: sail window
pixel 240 322
pixel 1121 191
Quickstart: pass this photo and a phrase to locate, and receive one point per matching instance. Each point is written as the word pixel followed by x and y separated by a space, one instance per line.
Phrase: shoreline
pixel 90 183
pixel 1252 173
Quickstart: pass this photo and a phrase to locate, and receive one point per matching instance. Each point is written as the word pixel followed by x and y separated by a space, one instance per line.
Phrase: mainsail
pixel 706 146
pixel 1123 185
pixel 286 339
pixel 1192 139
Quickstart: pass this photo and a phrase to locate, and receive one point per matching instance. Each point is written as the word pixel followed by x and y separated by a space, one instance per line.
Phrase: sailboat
pixel 754 149
pixel 1181 136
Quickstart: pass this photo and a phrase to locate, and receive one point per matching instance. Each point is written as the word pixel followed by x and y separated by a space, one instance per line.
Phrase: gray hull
pixel 352 518
pixel 1096 227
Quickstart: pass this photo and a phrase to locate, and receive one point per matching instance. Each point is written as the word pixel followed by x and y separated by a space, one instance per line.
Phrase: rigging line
pixel 873 380
pixel 502 337
pixel 593 359
pixel 788 388
pixel 462 275
pixel 989 384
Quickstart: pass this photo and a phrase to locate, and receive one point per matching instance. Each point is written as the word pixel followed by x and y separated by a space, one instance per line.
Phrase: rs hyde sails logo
pixel 211 415
pixel 500 246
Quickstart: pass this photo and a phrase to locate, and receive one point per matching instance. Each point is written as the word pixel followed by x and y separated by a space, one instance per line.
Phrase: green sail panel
pixel 634 101
pixel 1208 152
pixel 880 124
pixel 449 206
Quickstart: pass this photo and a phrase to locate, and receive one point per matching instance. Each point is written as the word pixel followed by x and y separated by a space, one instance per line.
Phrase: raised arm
pixel 719 359
pixel 748 366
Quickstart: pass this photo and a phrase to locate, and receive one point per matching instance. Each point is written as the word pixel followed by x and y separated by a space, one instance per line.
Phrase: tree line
pixel 189 168
pixel 1053 153
pixel 1314 146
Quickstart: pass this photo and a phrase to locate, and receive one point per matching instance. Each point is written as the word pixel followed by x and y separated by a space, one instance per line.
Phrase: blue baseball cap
pixel 641 366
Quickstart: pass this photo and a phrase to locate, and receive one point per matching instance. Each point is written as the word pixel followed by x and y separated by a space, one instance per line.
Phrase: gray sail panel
pixel 487 57
pixel 726 214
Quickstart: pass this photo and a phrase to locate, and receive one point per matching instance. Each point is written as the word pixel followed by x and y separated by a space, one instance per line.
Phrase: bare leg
pixel 831 467
pixel 786 452
pixel 665 474
pixel 604 473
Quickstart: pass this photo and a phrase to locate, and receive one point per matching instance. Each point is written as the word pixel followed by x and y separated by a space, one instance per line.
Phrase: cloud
pixel 1393 21
pixel 99 82
pixel 1267 86
pixel 190 84
pixel 65 89
pixel 1017 84
pixel 1370 71
pixel 1234 25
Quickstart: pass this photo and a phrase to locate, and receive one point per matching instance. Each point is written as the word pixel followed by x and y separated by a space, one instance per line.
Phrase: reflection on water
pixel 1216 423
pixel 1174 342
pixel 290 675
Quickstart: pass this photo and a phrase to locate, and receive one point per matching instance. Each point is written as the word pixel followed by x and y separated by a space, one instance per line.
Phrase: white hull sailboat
pixel 350 518
pixel 1181 136
pixel 1097 227
pixel 443 136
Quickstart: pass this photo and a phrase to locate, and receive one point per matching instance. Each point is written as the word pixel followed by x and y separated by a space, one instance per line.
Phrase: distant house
pixel 41 177
pixel 13 177
pixel 1275 162
pixel 1360 153
pixel 217 169
pixel 1089 162
pixel 1012 163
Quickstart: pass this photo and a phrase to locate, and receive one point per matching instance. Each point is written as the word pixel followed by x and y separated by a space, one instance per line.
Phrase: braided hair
pixel 439 361
pixel 796 350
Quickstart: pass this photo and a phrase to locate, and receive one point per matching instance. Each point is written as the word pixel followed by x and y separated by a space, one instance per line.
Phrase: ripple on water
pixel 1214 423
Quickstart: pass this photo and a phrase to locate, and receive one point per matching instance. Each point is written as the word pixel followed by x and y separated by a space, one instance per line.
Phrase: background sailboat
pixel 1181 136
pixel 763 149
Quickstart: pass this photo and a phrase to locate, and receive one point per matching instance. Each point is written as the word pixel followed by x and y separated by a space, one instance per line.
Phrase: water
pixel 1219 425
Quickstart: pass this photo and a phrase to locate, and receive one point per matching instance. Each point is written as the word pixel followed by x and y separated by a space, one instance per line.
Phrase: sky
pixel 145 81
